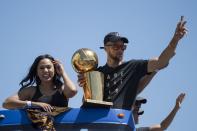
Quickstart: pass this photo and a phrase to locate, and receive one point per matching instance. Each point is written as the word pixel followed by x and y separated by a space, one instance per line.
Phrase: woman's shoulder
pixel 27 91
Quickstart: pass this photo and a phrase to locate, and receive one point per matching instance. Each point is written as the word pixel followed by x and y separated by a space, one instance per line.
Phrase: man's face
pixel 115 50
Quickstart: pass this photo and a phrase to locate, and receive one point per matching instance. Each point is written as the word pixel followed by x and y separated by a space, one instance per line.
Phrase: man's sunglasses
pixel 117 47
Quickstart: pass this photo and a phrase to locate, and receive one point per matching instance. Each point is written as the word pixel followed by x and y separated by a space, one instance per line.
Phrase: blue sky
pixel 29 28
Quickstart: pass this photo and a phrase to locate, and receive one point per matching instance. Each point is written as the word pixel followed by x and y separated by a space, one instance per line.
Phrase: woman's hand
pixel 59 67
pixel 46 107
pixel 69 88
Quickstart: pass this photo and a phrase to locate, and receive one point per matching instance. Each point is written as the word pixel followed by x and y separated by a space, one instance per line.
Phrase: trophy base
pixel 96 103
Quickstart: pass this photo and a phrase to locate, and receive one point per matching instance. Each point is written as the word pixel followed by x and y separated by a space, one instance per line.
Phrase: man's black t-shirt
pixel 120 83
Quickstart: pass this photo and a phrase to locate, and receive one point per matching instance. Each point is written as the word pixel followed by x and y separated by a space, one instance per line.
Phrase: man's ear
pixel 105 48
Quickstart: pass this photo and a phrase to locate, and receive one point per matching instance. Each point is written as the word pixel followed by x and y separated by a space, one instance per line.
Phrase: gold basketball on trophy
pixel 86 61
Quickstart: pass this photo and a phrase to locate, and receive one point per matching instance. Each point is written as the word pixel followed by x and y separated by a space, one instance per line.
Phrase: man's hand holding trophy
pixel 85 61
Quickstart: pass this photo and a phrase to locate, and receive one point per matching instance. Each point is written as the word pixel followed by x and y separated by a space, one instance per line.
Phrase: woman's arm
pixel 69 88
pixel 23 99
pixel 14 102
pixel 20 99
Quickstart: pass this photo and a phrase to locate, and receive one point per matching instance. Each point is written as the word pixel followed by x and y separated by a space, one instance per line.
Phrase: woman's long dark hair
pixel 32 77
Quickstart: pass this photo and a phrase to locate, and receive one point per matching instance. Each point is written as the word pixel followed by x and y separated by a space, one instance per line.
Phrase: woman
pixel 42 87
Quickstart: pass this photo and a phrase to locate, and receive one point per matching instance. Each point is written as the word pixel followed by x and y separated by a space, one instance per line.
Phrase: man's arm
pixel 169 51
pixel 168 120
pixel 144 81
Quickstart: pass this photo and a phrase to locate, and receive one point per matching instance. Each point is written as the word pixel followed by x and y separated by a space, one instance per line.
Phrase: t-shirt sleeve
pixel 141 66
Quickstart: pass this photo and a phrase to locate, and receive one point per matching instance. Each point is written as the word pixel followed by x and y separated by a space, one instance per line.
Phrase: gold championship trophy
pixel 86 61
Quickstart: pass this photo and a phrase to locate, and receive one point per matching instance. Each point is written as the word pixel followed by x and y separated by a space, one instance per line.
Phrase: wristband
pixel 29 104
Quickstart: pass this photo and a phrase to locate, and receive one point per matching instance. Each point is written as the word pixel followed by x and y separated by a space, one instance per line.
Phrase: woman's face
pixel 45 70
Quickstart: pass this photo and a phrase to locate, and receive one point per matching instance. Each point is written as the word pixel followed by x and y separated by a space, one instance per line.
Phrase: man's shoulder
pixel 137 61
pixel 129 63
pixel 100 68
pixel 134 63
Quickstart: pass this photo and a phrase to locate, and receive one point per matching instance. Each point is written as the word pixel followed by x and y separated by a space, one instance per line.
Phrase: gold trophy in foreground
pixel 86 61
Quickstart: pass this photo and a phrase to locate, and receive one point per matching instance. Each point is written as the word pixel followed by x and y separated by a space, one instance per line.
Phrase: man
pixel 124 80
pixel 165 123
